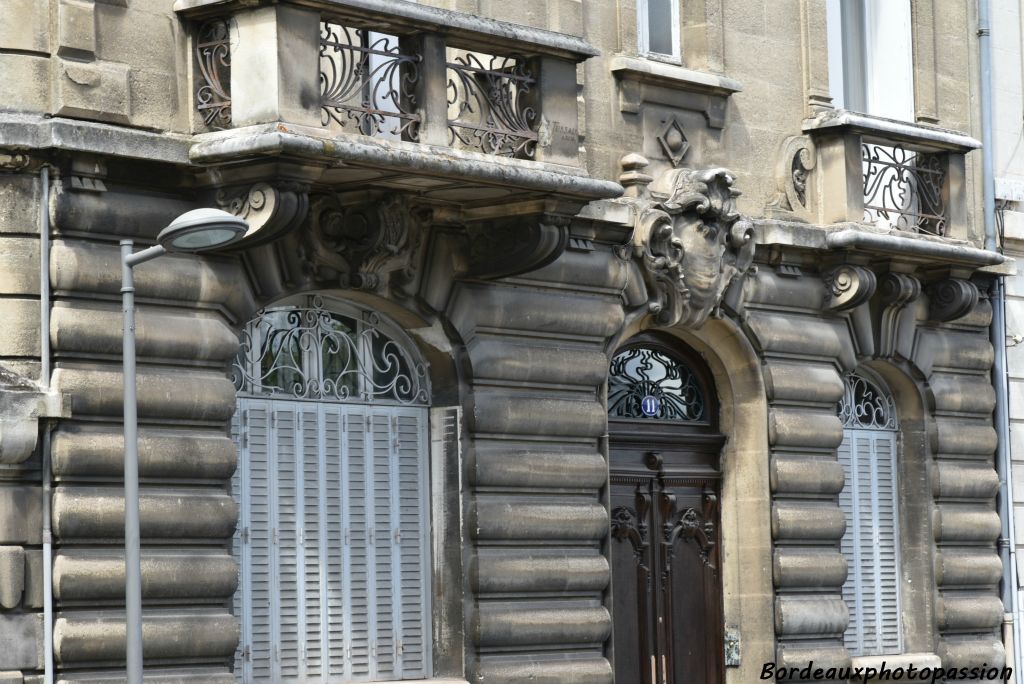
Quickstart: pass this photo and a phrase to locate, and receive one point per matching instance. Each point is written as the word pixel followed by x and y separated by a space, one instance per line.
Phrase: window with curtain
pixel 869 502
pixel 870 57
pixel 658 29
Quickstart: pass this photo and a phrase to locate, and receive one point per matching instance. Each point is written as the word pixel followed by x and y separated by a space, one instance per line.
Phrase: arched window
pixel 646 382
pixel 869 502
pixel 332 482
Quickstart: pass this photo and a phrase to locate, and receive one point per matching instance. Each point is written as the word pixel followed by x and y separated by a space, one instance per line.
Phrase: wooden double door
pixel 666 582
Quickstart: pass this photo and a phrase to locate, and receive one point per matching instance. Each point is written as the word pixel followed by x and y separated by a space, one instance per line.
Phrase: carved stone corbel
pixel 848 286
pixel 371 246
pixel 895 318
pixel 270 210
pixel 797 161
pixel 691 244
pixel 951 298
pixel 507 247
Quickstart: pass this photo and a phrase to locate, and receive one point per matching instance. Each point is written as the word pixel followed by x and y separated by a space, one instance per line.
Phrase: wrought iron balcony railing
pixel 389 70
pixel 904 189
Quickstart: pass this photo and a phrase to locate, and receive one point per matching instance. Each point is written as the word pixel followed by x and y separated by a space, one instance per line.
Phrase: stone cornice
pixel 472 32
pixel 892 131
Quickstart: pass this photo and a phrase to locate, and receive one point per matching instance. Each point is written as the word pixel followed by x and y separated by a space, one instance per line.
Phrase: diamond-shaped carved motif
pixel 673 141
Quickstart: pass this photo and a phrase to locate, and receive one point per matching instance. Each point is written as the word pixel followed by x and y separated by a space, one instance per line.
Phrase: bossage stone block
pixel 12 575
pixel 92 90
pixel 21 641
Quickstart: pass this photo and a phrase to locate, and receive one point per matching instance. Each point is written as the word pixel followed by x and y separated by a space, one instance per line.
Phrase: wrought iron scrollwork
pixel 367 82
pixel 313 353
pixel 646 383
pixel 904 188
pixel 866 405
pixel 487 104
pixel 213 59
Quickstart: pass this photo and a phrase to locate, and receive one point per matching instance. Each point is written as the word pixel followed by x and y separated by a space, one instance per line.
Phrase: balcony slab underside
pixel 436 173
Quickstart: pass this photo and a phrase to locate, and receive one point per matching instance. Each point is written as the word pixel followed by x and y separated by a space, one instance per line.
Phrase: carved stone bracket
pixel 951 299
pixel 797 161
pixel 22 405
pixel 271 210
pixel 848 286
pixel 894 317
pixel 506 247
pixel 370 246
pixel 690 242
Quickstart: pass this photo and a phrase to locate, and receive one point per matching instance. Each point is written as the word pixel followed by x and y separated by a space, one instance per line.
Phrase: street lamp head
pixel 200 230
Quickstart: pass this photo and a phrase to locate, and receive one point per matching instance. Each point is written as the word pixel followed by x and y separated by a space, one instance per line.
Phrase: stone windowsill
pixel 926 137
pixel 891 662
pixel 669 75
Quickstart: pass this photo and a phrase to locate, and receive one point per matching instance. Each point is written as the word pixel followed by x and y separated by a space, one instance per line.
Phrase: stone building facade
pixel 478 211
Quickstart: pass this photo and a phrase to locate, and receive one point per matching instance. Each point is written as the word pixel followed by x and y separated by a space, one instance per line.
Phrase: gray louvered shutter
pixel 358 569
pixel 284 538
pixel 383 494
pixel 332 541
pixel 237 538
pixel 412 563
pixel 257 562
pixel 870 544
pixel 310 483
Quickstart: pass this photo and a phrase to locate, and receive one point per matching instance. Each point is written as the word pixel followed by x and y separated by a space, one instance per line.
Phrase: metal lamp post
pixel 195 231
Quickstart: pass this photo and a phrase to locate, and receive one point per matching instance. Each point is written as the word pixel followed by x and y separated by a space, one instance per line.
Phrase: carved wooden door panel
pixel 664 449
pixel 665 579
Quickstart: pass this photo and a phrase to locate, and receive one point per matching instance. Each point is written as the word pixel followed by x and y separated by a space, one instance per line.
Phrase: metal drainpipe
pixel 44 381
pixel 998 337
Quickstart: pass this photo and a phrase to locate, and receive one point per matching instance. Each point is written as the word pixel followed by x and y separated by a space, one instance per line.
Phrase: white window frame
pixel 643 33
pixel 871 57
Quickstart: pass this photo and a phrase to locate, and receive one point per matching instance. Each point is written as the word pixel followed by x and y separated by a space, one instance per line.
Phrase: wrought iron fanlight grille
pixel 866 404
pixel 647 383
pixel 314 353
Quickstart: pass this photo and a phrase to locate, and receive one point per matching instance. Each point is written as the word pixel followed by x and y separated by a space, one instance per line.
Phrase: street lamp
pixel 195 231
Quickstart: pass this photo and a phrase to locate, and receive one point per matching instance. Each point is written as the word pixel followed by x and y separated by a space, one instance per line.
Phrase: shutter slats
pixel 870 544
pixel 335 567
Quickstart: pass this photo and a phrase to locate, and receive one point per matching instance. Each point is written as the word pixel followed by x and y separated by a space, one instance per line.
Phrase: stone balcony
pixel 898 177
pixel 388 95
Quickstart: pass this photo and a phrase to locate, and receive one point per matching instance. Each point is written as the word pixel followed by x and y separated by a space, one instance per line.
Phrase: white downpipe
pixel 44 380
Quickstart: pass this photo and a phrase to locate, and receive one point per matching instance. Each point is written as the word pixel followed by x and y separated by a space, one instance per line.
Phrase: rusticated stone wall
pixel 536 470
pixel 803 355
pixel 187 311
pixel 949 525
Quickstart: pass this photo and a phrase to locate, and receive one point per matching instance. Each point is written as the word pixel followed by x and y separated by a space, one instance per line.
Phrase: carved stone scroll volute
pixel 691 244
pixel 793 176
pixel 270 210
pixel 951 299
pixel 848 286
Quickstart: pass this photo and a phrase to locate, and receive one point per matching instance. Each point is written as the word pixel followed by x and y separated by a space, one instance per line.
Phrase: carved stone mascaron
pixel 688 238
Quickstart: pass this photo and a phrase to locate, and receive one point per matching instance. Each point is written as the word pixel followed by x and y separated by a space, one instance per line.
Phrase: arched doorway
pixel 333 540
pixel 664 449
